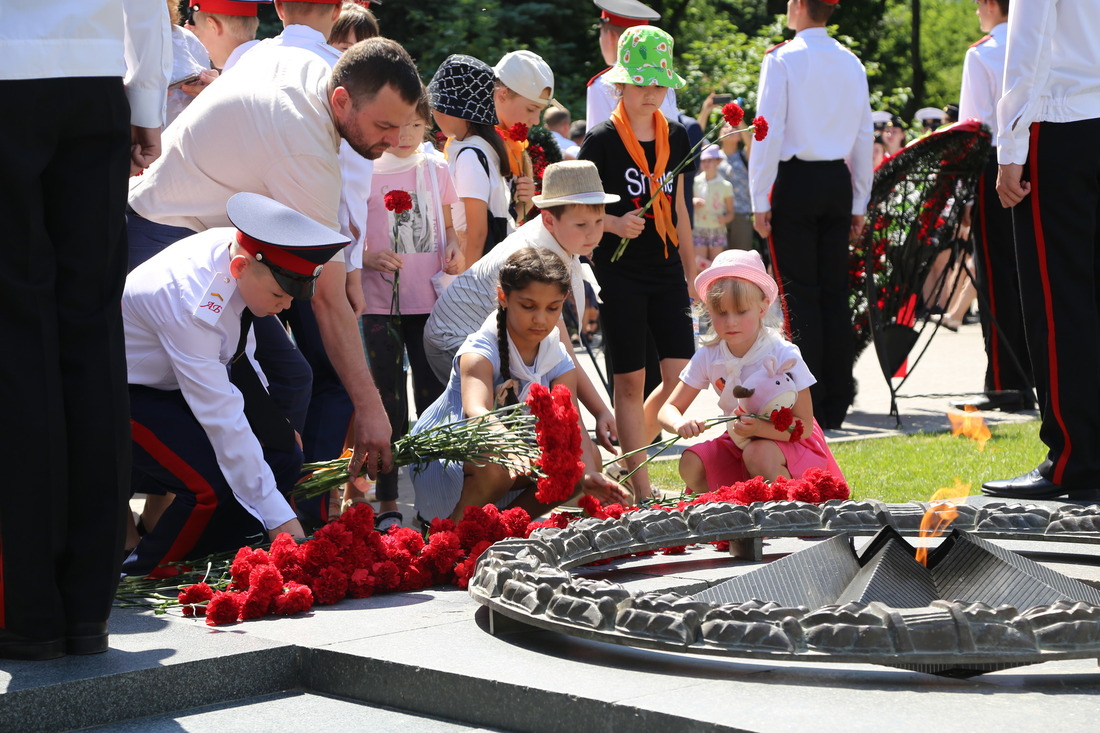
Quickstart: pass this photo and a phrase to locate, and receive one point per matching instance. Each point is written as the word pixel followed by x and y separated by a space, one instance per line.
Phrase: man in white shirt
pixel 1048 122
pixel 272 125
pixel 810 181
pixel 216 438
pixel 84 85
pixel 1008 371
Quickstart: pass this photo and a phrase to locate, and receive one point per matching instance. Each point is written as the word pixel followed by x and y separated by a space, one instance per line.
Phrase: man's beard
pixel 352 136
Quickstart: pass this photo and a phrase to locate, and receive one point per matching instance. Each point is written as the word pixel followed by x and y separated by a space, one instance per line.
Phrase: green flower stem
pixel 668 443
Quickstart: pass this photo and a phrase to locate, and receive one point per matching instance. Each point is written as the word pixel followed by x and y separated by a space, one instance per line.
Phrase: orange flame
pixel 941 513
pixel 970 425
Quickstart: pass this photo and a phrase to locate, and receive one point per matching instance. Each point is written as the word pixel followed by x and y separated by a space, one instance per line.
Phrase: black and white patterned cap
pixel 463 87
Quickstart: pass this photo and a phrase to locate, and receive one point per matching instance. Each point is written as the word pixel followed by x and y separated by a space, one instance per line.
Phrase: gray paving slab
pixel 318 713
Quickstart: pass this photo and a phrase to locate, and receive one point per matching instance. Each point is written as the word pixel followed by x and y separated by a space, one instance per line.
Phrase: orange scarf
pixel 662 202
pixel 515 149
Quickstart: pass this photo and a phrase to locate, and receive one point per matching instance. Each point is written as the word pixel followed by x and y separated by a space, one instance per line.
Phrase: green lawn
pixel 913 466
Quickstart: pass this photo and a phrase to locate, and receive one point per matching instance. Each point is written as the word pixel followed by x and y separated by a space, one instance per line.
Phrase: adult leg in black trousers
pixel 1057 230
pixel 1008 366
pixel 64 150
pixel 811 218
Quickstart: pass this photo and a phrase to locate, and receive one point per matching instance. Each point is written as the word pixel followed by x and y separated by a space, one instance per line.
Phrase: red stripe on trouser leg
pixel 1048 306
pixel 983 237
pixel 206 500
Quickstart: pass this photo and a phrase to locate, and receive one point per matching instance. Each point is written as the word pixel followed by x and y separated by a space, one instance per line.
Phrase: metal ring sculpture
pixel 529 580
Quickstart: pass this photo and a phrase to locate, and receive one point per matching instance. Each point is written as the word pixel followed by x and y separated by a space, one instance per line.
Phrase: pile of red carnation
pixel 348 559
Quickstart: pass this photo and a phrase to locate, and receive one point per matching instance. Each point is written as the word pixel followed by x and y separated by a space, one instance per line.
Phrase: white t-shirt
pixel 713 365
pixel 472 182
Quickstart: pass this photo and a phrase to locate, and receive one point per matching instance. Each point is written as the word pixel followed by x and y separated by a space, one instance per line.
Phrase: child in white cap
pixel 737 291
pixel 524 88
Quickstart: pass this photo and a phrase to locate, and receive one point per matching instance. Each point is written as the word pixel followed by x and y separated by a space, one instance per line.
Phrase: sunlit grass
pixel 903 468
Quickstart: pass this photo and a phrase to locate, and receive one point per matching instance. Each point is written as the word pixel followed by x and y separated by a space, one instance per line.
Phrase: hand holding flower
pixel 627 226
pixel 688 428
pixel 525 188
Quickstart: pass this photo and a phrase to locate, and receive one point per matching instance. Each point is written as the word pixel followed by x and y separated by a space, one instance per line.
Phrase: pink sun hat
pixel 745 264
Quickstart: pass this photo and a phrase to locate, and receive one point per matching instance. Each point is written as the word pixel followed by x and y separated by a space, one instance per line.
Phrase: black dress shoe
pixel 1003 401
pixel 1033 485
pixel 86 637
pixel 17 646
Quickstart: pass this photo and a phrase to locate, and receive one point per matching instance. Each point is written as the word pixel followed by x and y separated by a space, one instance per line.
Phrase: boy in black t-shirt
pixel 645 293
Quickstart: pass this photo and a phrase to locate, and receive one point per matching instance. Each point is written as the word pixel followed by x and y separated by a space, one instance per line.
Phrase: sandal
pixel 384 521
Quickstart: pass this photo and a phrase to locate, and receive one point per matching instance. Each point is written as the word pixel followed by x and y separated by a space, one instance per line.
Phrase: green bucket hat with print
pixel 645 59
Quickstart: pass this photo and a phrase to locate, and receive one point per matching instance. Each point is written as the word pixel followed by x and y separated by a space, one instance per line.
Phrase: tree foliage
pixel 720 44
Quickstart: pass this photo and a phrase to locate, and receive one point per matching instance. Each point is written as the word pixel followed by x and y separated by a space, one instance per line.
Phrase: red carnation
pixel 761 126
pixel 558 434
pixel 295 599
pixel 398 201
pixel 796 432
pixel 515 521
pixel 362 584
pixel 223 608
pixel 441 524
pixel 518 132
pixel 592 506
pixel 244 563
pixel 733 114
pixel 782 418
pixel 802 490
pixel 828 485
pixel 198 593
pixel 780 489
pixel 330 586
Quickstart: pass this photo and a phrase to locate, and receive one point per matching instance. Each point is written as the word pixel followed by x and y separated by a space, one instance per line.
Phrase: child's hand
pixel 453 259
pixel 628 225
pixel 600 487
pixel 525 188
pixel 689 428
pixel 385 261
pixel 746 427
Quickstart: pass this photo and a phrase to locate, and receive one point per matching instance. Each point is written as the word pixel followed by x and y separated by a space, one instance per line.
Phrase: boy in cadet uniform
pixel 1008 370
pixel 225 27
pixel 204 426
pixel 810 181
pixel 1048 147
pixel 615 17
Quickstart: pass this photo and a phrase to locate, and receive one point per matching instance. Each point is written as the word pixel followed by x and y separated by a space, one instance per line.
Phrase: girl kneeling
pixel 516 347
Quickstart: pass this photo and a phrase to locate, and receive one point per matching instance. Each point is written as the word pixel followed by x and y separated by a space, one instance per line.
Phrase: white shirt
pixel 465 304
pixel 236 54
pixel 568 148
pixel 472 181
pixel 182 318
pixel 120 38
pixel 603 99
pixel 354 168
pixel 813 93
pixel 1051 70
pixel 983 77
pixel 265 128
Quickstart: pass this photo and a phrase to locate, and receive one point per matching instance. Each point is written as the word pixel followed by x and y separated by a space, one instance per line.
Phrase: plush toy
pixel 766 390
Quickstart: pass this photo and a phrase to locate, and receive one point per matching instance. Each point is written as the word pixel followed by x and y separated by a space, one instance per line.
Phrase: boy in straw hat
pixel 645 292
pixel 570 225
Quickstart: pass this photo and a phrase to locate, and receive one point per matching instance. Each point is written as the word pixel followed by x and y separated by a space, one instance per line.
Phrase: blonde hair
pixel 739 293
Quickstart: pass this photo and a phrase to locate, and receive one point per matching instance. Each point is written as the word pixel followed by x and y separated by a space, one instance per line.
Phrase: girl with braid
pixel 517 346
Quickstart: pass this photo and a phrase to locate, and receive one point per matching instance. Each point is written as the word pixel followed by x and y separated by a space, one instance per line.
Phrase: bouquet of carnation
pixel 732 115
pixel 502 436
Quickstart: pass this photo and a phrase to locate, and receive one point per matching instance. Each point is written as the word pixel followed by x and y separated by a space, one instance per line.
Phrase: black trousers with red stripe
pixel 1008 366
pixel 172 449
pixel 1057 229
pixel 811 219
pixel 64 153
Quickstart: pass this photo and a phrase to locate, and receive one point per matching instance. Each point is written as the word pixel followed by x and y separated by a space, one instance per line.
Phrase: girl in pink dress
pixel 737 292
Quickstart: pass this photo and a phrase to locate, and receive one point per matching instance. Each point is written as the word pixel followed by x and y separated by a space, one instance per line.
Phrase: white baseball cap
pixel 526 74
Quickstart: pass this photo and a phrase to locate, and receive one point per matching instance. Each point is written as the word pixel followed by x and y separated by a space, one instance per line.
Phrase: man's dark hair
pixel 371 64
pixel 819 10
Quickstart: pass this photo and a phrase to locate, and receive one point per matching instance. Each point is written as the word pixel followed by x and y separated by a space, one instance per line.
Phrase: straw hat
pixel 745 264
pixel 572 182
